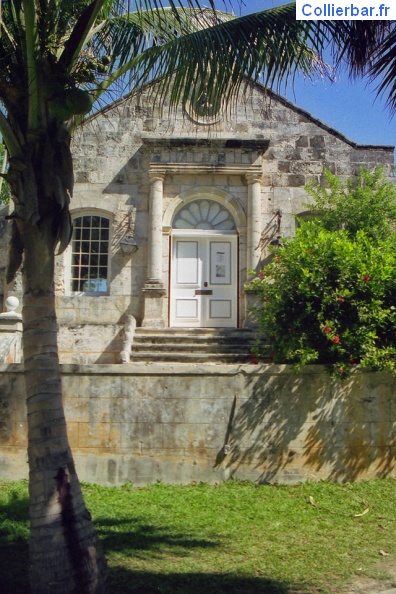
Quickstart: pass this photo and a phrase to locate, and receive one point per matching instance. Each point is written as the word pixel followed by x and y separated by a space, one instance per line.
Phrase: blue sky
pixel 350 107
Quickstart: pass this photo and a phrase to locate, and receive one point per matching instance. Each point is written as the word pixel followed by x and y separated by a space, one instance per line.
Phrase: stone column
pixel 154 273
pixel 254 222
pixel 153 289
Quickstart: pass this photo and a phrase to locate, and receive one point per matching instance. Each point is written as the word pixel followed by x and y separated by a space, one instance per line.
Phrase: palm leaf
pixel 180 49
pixel 383 68
pixel 365 48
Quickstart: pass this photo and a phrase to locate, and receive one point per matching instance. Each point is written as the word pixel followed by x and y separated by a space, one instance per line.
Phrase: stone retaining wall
pixel 181 423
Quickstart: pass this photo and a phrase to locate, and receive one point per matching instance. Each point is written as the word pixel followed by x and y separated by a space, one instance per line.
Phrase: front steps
pixel 193 345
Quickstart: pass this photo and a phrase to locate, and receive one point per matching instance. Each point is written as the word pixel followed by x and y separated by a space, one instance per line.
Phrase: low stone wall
pixel 181 423
pixel 91 329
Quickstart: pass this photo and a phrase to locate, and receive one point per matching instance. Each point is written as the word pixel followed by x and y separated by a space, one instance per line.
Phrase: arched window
pixel 90 254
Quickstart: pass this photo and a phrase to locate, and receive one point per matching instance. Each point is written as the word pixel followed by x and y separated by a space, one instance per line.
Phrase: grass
pixel 236 537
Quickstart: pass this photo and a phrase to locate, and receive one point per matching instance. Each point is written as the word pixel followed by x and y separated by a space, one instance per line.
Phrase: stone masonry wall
pixel 113 153
pixel 181 423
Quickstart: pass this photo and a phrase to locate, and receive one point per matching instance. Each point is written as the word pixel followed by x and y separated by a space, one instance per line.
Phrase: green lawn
pixel 231 538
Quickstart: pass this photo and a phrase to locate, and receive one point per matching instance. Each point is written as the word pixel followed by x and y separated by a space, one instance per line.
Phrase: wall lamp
pixel 277 241
pixel 128 244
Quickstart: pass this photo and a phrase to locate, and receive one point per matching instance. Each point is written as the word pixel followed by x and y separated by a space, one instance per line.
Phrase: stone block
pixel 317 141
pixel 295 180
pixel 302 142
pixel 185 436
pixel 142 436
pixel 99 435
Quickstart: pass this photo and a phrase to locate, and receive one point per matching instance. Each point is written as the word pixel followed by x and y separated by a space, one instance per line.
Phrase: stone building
pixel 172 210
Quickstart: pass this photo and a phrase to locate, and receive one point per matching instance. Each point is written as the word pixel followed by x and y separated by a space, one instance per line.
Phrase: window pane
pixel 75 285
pixel 93 260
pixel 90 238
pixel 74 272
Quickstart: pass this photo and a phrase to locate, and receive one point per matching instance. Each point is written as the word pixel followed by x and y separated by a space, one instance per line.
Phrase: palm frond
pixel 383 68
pixel 191 45
pixel 80 33
pixel 367 49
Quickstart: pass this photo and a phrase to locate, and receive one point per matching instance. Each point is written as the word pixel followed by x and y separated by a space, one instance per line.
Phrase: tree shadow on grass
pixel 143 537
pixel 137 541
pixel 134 582
pixel 14 547
pixel 165 544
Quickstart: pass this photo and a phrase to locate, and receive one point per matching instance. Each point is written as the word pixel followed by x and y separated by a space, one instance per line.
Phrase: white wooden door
pixel 204 280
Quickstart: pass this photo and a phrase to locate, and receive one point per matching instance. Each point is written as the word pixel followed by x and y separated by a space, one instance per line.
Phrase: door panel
pixel 187 263
pixel 220 263
pixel 204 282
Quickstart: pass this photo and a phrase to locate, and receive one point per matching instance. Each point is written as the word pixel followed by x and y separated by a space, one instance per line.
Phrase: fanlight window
pixel 204 214
pixel 90 254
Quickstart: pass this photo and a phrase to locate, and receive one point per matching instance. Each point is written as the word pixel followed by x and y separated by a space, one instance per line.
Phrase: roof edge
pixel 268 91
pixel 320 123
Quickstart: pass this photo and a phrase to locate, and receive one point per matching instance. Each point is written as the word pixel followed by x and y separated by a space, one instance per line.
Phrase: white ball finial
pixel 11 303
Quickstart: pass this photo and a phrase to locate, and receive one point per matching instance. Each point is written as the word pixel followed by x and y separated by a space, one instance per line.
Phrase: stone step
pixel 193 340
pixel 193 345
pixel 212 347
pixel 217 332
pixel 193 336
pixel 179 357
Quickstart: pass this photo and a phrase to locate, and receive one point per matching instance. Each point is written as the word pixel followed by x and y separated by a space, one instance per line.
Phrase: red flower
pixel 327 329
pixel 278 258
pixel 272 355
pixel 366 278
pixel 341 370
pixel 336 340
pixel 253 358
pixel 266 298
pixel 340 299
pixel 352 360
pixel 261 273
pixel 290 329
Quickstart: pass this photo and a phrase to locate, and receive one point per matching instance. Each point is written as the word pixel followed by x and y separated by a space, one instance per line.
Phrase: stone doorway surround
pixel 218 156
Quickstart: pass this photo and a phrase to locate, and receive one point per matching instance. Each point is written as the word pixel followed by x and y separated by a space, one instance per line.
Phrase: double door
pixel 204 280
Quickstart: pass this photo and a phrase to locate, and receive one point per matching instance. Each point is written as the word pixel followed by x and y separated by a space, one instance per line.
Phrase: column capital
pixel 156 175
pixel 253 177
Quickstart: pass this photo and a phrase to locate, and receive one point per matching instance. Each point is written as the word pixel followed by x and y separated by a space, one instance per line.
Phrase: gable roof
pixel 272 95
pixel 307 115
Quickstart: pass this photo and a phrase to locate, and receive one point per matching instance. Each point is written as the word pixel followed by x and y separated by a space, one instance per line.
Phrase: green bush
pixel 368 202
pixel 329 295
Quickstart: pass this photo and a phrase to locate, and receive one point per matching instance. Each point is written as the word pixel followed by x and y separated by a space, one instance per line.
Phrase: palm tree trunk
pixel 65 553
